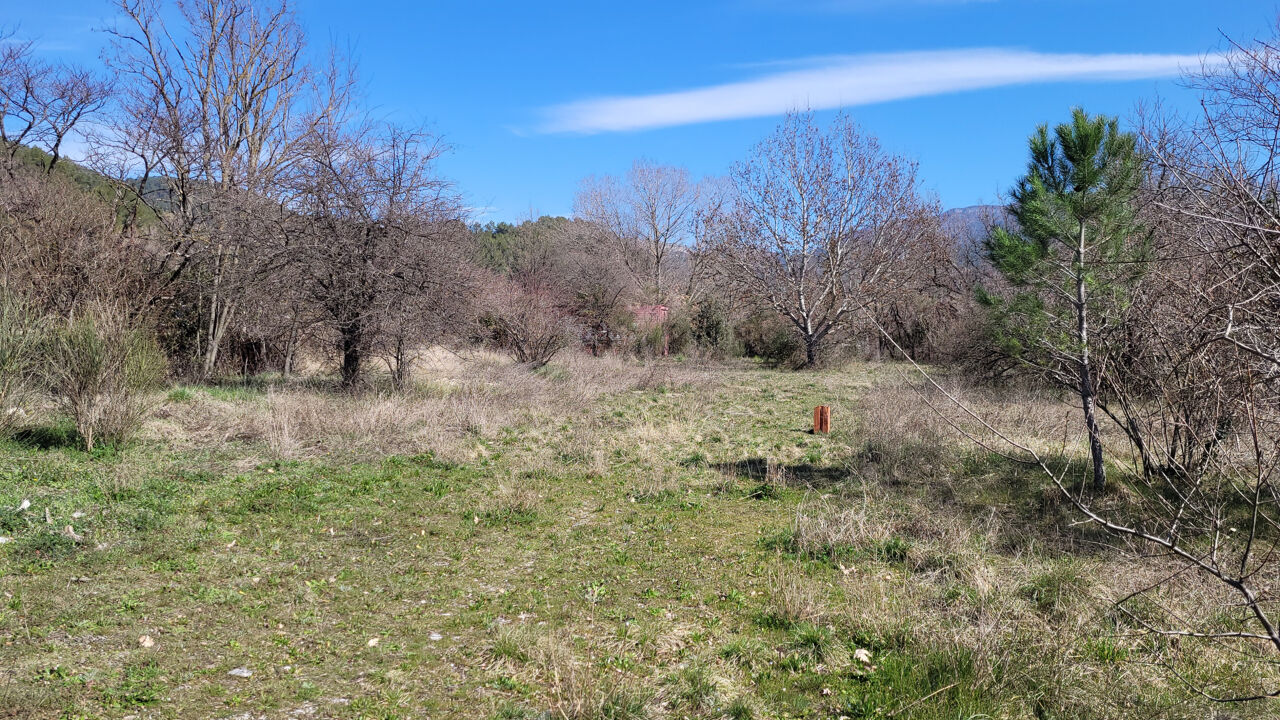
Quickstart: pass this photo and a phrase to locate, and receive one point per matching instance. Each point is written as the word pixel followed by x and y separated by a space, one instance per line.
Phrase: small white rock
pixel 25 504
pixel 241 672
pixel 435 636
pixel 373 642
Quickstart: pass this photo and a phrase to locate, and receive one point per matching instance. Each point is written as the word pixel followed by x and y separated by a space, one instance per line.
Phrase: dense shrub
pixel 712 331
pixel 768 338
pixel 21 331
pixel 528 325
pixel 100 369
pixel 671 337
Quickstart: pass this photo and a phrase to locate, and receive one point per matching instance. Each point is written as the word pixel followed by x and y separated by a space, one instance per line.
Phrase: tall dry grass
pixel 454 402
pixel 904 408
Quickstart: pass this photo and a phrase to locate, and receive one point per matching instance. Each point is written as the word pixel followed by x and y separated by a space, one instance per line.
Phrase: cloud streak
pixel 852 80
pixel 854 6
pixel 849 7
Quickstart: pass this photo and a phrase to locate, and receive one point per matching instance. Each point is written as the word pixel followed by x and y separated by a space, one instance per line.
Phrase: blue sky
pixel 533 96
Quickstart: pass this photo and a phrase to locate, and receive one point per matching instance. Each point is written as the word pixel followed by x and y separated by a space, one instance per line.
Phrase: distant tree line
pixel 786 260
pixel 238 212
pixel 237 203
pixel 1138 271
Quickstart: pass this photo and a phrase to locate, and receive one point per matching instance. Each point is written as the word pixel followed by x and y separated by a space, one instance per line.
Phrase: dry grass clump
pixel 576 691
pixel 117 481
pixel 615 373
pixel 911 415
pixel 573 688
pixel 776 475
pixel 898 437
pixel 694 687
pixel 450 407
pixel 1021 625
pixel 918 538
pixel 926 579
pixel 583 449
pixel 794 598
pixel 510 505
pixel 770 476
pixel 977 620
pixel 657 376
pixel 654 487
pixel 294 423
pixel 822 530
pixel 512 647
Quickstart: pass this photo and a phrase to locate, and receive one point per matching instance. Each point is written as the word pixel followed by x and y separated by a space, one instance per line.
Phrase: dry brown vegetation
pixel 466 398
pixel 592 540
pixel 502 522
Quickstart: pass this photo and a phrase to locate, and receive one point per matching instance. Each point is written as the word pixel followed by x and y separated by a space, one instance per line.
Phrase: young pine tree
pixel 1073 258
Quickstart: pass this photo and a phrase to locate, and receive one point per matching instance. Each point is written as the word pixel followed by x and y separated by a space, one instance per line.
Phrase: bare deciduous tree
pixel 372 239
pixel 825 223
pixel 212 115
pixel 559 259
pixel 529 323
pixel 643 220
pixel 58 243
pixel 41 103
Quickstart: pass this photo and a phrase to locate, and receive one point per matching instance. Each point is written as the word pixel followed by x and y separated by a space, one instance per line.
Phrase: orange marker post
pixel 822 420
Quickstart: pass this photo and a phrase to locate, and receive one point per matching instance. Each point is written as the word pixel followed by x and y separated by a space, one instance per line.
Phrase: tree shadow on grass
pixel 57 436
pixel 1032 511
pixel 801 474
pixel 62 436
pixel 1016 504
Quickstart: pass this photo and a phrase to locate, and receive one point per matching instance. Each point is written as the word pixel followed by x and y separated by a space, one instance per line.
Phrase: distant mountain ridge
pixel 91 182
pixel 972 221
pixel 968 222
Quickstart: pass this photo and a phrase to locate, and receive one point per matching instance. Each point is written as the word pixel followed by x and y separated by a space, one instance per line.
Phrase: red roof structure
pixel 651 314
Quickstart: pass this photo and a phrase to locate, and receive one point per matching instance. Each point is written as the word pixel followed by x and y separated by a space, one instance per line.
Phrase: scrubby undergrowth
pixel 593 540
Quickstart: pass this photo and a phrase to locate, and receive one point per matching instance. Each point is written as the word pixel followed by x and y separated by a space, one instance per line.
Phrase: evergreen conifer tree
pixel 1071 258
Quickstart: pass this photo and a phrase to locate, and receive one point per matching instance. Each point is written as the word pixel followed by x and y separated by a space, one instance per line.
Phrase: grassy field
pixel 594 540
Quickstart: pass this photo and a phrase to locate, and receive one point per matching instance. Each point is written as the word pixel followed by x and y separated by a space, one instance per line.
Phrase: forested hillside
pixel 287 432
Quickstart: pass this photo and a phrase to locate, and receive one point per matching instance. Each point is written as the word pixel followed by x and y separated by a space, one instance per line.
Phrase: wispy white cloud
pixel 480 211
pixel 853 6
pixel 852 80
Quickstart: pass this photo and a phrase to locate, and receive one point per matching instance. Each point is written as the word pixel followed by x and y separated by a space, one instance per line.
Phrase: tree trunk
pixel 810 351
pixel 352 353
pixel 660 296
pixel 1091 423
pixel 221 308
pixel 219 319
pixel 402 364
pixel 291 346
pixel 1087 388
